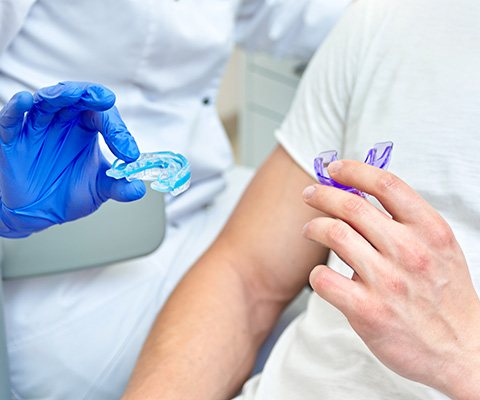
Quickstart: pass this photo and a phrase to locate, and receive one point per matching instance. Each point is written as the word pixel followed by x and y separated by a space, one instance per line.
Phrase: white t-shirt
pixel 401 70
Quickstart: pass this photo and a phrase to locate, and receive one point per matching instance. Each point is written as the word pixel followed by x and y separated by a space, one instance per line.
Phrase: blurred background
pixel 255 95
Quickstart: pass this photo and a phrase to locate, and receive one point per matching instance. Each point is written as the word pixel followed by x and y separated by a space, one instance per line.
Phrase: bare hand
pixel 411 298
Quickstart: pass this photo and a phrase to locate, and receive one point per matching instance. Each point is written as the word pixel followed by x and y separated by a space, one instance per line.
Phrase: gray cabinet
pixel 269 88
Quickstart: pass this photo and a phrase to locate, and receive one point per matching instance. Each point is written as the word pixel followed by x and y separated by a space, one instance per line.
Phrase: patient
pixel 400 70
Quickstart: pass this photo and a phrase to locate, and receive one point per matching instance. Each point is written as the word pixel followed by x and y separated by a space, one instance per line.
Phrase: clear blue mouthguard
pixel 170 172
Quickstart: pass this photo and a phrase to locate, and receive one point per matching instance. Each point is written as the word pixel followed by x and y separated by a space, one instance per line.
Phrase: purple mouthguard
pixel 379 156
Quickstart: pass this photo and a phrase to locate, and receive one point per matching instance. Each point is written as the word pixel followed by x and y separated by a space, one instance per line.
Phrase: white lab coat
pixel 175 57
pixel 164 59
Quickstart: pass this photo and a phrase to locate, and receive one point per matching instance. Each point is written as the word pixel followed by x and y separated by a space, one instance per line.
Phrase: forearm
pixel 204 342
pixel 203 345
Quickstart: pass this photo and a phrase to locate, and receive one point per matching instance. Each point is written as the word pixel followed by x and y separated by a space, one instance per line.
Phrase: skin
pixel 204 342
pixel 411 299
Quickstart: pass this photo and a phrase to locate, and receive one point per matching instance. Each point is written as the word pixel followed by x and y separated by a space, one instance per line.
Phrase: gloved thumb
pixel 120 190
pixel 12 115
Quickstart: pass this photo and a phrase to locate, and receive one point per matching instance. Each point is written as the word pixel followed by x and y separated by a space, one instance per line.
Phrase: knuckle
pixel 421 263
pixel 397 286
pixel 412 255
pixel 354 205
pixel 368 315
pixel 337 231
pixel 417 260
pixel 362 306
pixel 442 235
pixel 387 182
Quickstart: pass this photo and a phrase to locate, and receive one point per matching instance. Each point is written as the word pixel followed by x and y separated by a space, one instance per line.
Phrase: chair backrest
pixel 116 232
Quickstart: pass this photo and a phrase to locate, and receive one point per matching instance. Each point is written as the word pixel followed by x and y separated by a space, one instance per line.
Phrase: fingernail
pixel 313 275
pixel 308 192
pixel 305 228
pixel 335 167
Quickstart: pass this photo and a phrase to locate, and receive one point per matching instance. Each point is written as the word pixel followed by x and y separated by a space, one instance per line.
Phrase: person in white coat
pixel 77 335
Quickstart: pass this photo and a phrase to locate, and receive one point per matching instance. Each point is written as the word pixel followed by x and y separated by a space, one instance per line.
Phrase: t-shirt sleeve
pixel 318 117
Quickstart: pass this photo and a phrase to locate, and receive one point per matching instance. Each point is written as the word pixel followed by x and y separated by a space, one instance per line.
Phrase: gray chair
pixel 116 232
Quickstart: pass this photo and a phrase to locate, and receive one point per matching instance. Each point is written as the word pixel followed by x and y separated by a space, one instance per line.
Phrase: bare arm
pixel 204 342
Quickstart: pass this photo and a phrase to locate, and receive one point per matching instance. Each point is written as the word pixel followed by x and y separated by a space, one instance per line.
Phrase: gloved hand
pixel 51 167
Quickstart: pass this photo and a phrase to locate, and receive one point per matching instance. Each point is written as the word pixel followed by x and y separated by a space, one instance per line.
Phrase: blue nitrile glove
pixel 51 167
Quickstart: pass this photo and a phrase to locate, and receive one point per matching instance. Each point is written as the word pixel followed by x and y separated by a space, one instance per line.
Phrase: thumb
pixel 12 115
pixel 120 190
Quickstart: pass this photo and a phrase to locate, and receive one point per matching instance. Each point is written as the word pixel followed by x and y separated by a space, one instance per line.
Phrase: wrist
pixel 7 229
pixel 461 380
pixel 464 382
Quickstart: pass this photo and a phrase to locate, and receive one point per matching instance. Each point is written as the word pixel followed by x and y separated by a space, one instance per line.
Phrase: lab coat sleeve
pixel 286 28
pixel 12 16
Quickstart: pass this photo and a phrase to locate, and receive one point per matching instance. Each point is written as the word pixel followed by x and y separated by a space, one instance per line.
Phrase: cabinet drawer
pixel 270 94
pixel 289 70
pixel 259 140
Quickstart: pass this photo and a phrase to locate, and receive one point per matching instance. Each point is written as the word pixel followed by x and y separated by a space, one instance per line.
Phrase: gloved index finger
pixel 91 96
pixel 111 126
pixel 73 97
